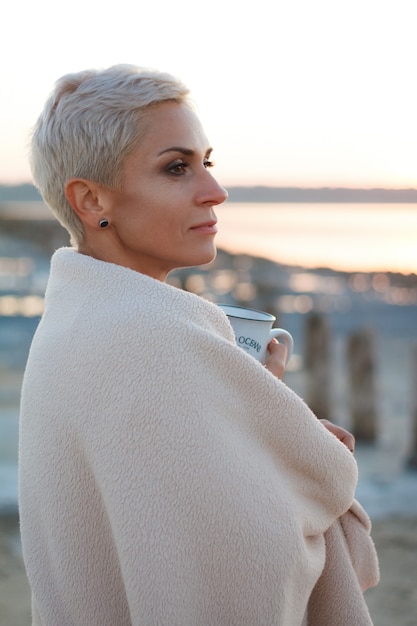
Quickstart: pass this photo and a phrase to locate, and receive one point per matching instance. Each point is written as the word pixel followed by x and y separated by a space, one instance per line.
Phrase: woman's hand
pixel 277 358
pixel 343 435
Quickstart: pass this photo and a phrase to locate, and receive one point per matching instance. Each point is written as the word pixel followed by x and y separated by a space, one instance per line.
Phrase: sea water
pixel 347 237
pixel 8 458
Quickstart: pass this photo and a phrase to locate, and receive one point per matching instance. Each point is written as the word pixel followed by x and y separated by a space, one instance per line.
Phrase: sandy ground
pixel 14 589
pixel 394 601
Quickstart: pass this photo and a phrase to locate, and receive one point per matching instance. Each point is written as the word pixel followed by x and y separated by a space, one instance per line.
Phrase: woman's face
pixel 163 216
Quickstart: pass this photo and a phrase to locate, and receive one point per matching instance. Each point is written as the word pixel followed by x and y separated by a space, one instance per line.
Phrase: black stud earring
pixel 103 223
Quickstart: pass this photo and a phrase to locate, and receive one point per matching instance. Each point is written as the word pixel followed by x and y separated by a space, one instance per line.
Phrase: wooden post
pixel 362 392
pixel 412 459
pixel 317 365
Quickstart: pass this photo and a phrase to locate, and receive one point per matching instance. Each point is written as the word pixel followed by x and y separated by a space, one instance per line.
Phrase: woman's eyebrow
pixel 184 151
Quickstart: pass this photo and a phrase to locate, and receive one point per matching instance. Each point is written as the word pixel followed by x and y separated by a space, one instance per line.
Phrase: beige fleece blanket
pixel 167 478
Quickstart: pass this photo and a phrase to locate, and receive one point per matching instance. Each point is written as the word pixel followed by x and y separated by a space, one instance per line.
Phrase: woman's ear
pixel 85 198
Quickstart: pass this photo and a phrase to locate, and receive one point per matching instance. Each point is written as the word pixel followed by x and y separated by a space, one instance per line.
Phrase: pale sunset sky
pixel 291 93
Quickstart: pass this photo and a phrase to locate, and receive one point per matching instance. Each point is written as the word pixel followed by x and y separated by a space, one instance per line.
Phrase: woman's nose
pixel 212 192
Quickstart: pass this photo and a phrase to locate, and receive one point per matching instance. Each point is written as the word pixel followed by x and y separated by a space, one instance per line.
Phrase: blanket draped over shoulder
pixel 167 478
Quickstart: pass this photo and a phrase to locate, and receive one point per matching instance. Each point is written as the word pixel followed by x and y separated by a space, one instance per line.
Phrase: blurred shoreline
pixel 263 193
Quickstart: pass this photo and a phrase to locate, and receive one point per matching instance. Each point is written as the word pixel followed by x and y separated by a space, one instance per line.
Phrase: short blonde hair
pixel 89 124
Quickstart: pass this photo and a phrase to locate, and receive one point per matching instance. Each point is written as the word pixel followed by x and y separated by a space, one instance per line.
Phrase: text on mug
pixel 251 343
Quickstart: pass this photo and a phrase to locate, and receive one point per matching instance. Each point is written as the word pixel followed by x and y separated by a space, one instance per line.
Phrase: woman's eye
pixel 178 168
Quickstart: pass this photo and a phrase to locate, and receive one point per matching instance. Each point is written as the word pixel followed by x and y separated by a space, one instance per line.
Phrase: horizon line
pixel 268 186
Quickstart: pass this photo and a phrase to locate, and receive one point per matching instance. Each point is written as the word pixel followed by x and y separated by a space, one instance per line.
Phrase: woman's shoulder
pixel 113 296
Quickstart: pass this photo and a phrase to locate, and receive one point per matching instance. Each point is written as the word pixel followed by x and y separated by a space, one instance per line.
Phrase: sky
pixel 306 93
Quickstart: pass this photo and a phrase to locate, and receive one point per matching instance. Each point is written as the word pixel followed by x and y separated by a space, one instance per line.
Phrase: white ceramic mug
pixel 253 330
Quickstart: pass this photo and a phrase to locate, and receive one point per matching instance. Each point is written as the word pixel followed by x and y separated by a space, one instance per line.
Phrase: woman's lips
pixel 209 228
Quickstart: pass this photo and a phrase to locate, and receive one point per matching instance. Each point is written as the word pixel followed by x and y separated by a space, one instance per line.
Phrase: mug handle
pixel 286 337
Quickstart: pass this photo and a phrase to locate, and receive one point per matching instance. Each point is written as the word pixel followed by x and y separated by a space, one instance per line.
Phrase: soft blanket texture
pixel 167 478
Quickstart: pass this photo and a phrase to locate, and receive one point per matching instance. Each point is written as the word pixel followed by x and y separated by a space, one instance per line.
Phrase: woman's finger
pixel 277 358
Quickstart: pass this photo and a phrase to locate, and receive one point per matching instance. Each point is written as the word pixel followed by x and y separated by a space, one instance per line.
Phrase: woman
pixel 166 477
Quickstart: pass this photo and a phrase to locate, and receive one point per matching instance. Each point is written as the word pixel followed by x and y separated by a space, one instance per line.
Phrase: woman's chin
pixel 203 256
pixel 208 257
